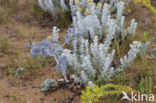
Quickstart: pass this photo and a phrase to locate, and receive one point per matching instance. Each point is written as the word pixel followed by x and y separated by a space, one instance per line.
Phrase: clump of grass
pixel 22 11
pixel 146 85
pixel 29 65
pixel 4 2
pixel 4 46
pixel 37 11
pixel 4 17
pixel 11 5
pixel 13 98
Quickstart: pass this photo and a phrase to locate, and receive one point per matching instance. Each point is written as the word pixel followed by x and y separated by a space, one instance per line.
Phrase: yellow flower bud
pixel 50 38
pixel 99 4
pixel 77 2
pixel 135 42
pixel 108 6
pixel 89 0
pixel 80 9
pixel 91 4
pixel 122 2
pixel 87 11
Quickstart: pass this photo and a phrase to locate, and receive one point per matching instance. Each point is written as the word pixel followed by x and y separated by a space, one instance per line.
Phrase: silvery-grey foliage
pixel 91 60
pixel 135 48
pixel 153 52
pixel 47 84
pixel 91 19
pixel 96 23
pixel 53 6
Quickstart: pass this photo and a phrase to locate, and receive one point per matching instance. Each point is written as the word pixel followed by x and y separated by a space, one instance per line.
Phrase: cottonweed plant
pixel 91 57
pixel 53 6
pixel 98 20
pixel 92 17
pixel 94 62
pixel 86 63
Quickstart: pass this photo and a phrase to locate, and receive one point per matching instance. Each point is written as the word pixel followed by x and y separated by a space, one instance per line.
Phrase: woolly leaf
pixel 153 52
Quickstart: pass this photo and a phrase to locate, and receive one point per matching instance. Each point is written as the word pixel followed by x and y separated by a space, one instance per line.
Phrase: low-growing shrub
pixel 92 55
pixel 95 93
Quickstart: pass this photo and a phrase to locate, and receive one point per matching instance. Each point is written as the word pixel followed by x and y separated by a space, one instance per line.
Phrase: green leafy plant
pixel 146 85
pixel 117 46
pixel 4 46
pixel 146 37
pixel 93 95
pixel 17 73
pixel 147 4
pixel 3 19
pixel 14 97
